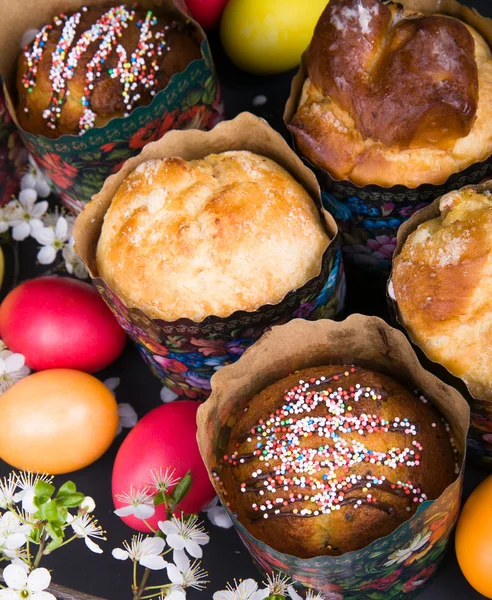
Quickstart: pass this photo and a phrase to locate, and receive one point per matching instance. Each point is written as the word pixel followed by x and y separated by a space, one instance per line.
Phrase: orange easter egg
pixel 56 421
pixel 474 538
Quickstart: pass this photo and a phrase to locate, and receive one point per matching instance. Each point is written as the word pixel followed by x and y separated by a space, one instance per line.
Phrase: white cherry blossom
pixel 184 534
pixel 27 481
pixel 138 502
pixel 244 590
pixel 12 369
pixel 35 179
pixel 86 527
pixel 29 216
pixel 185 575
pixel 52 240
pixel 146 551
pixel 73 264
pixel 21 586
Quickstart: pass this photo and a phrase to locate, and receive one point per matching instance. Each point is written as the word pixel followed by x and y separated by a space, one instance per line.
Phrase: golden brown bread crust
pixel 44 75
pixel 232 231
pixel 338 447
pixel 393 96
pixel 442 285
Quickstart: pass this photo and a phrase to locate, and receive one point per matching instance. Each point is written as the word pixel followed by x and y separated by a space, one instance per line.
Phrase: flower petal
pixel 46 255
pixel 156 563
pixel 9 595
pixel 144 511
pixel 44 236
pixel 93 547
pixel 15 577
pixel 61 228
pixel 15 541
pixel 176 594
pixel 124 511
pixel 112 382
pixel 167 527
pixel 39 209
pixel 28 501
pixel 38 580
pixel 14 362
pixel 193 549
pixel 174 574
pixel 27 197
pixel 120 554
pixel 21 231
pixel 88 505
pixel 218 516
pixel 168 395
pixel 175 541
pixel 152 545
pixel 181 560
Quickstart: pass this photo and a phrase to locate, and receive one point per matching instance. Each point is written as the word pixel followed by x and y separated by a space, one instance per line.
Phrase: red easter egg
pixel 165 437
pixel 60 323
pixel 207 12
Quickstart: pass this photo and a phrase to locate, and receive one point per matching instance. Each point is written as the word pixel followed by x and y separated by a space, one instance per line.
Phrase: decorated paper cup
pixel 185 354
pixel 480 434
pixel 369 216
pixel 13 155
pixel 78 165
pixel 394 566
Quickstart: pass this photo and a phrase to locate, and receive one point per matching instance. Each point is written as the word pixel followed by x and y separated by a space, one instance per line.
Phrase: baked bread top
pixel 394 96
pixel 232 231
pixel 85 68
pixel 331 458
pixel 442 282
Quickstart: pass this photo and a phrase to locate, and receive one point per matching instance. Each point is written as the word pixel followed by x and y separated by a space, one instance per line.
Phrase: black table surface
pixel 225 558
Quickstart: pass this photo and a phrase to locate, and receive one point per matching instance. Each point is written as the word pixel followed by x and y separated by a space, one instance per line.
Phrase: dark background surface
pixel 224 558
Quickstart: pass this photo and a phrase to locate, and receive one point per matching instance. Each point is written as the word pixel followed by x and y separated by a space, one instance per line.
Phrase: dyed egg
pixel 56 421
pixel 268 37
pixel 60 323
pixel 474 539
pixel 206 12
pixel 164 438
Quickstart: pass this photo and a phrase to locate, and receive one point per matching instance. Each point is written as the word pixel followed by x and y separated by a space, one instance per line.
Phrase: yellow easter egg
pixel 266 37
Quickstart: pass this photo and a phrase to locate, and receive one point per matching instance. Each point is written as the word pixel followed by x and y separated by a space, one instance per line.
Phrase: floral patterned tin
pixel 13 155
pixel 392 567
pixel 480 434
pixel 78 165
pixel 185 354
pixel 369 216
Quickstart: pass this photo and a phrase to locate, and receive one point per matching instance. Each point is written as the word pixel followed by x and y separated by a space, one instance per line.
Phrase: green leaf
pixel 54 531
pixel 43 491
pixel 275 597
pixel 67 489
pixel 159 499
pixel 181 489
pixel 53 545
pixel 48 511
pixel 71 500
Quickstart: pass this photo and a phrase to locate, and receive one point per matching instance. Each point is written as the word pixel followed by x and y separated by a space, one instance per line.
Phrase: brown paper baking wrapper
pixel 480 434
pixel 391 567
pixel 185 354
pixel 78 165
pixel 369 216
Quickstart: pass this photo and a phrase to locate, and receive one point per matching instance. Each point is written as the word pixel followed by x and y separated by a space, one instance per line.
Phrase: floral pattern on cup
pixel 394 567
pixel 185 355
pixel 480 434
pixel 368 229
pixel 79 165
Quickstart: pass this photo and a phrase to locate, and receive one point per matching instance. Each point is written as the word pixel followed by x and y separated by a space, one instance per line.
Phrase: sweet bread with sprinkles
pixel 332 458
pixel 87 67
